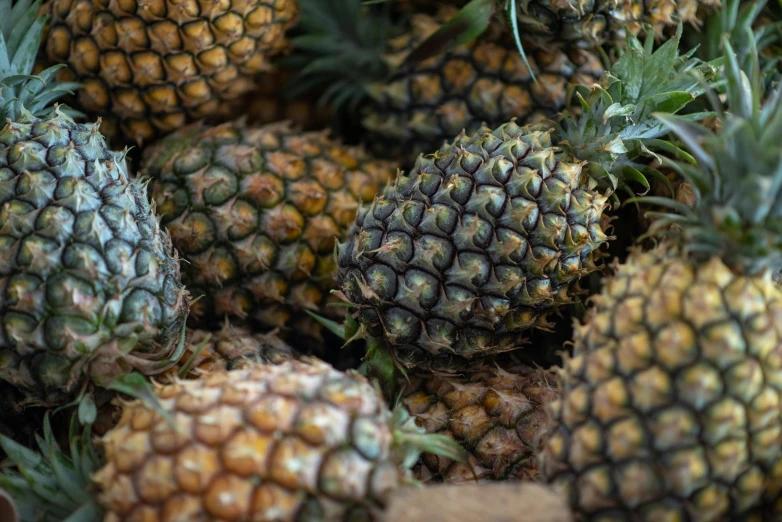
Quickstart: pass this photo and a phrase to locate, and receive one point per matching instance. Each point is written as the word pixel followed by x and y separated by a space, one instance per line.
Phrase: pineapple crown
pixel 616 126
pixel 736 176
pixel 338 47
pixel 47 485
pixel 22 92
pixel 736 19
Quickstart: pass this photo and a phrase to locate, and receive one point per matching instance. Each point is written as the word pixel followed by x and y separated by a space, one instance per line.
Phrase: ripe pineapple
pixel 89 284
pixel 671 406
pixel 484 237
pixel 255 211
pixel 148 68
pixel 495 413
pixel 409 110
pixel 298 441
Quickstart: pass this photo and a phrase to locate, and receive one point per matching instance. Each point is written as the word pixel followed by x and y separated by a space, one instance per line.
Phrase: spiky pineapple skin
pixel 231 348
pixel 294 442
pixel 255 211
pixel 89 284
pixel 462 255
pixel 149 68
pixel 590 23
pixel 496 413
pixel 670 406
pixel 486 82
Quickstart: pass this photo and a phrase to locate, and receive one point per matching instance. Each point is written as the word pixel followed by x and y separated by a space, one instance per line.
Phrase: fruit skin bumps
pixel 150 67
pixel 297 441
pixel 231 348
pixel 487 235
pixel 495 412
pixel 90 283
pixel 587 23
pixel 671 405
pixel 411 109
pixel 255 211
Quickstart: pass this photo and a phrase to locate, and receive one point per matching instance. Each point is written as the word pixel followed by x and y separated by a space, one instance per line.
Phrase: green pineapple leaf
pixel 617 129
pixel 466 25
pixel 338 48
pixel 737 178
pixel 20 39
pixel 48 486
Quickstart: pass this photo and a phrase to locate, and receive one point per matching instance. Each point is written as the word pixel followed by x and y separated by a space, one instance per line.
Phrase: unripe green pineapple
pixel 89 284
pixel 255 211
pixel 487 235
pixel 671 406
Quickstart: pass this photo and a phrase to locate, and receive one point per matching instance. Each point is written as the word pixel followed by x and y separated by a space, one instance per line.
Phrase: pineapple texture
pixel 255 211
pixel 150 67
pixel 231 348
pixel 496 413
pixel 484 82
pixel 671 405
pixel 89 285
pixel 294 442
pixel 472 247
pixel 589 23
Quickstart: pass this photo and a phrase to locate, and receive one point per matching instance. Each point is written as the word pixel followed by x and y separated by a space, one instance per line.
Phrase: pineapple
pixel 588 24
pixel 297 441
pixel 255 211
pixel 148 68
pixel 89 285
pixel 671 406
pixel 228 349
pixel 496 413
pixel 413 109
pixel 487 235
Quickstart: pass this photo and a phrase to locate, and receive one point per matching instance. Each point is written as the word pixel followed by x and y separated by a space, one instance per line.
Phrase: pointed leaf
pixel 466 25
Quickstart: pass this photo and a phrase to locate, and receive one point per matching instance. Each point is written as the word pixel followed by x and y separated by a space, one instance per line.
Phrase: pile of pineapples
pixel 272 260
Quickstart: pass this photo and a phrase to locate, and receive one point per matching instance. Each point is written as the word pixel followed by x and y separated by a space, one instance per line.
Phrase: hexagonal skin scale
pixel 497 413
pixel 255 211
pixel 149 67
pixel 293 442
pixel 486 82
pixel 670 406
pixel 89 284
pixel 472 247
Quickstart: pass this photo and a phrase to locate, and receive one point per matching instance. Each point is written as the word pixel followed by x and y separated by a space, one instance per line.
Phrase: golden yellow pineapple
pixel 289 442
pixel 149 67
pixel 496 413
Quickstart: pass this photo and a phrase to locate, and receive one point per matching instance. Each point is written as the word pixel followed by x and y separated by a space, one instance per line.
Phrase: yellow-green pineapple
pixel 671 404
